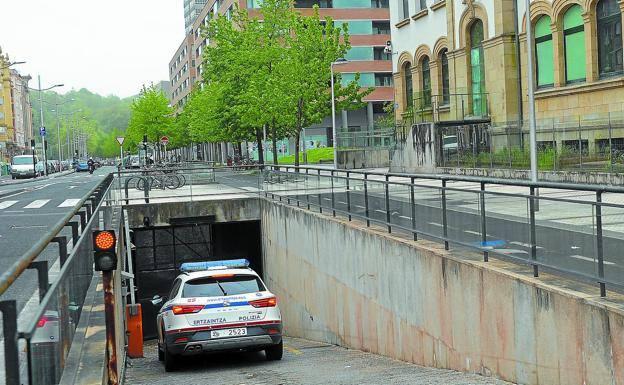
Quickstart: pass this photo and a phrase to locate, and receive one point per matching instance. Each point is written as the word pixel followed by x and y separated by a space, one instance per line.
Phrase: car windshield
pixel 23 160
pixel 214 287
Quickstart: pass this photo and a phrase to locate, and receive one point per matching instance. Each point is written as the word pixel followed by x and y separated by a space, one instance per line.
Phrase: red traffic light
pixel 104 240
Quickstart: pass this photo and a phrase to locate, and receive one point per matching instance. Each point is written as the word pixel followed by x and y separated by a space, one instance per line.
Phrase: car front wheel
pixel 275 352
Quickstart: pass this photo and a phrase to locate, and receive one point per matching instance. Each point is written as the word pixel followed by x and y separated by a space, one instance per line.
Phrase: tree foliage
pixel 270 71
pixel 151 115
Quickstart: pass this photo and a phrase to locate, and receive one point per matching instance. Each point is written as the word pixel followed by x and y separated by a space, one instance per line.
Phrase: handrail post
pixel 42 277
pixel 483 223
pixel 366 200
pixel 444 217
pixel 318 184
pixel 533 237
pixel 413 205
pixel 599 243
pixel 306 189
pixel 11 352
pixel 62 244
pixel 333 198
pixel 348 197
pixel 387 191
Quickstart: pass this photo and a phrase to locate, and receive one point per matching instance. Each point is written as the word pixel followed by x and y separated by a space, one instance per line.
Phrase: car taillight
pixel 42 321
pixel 264 302
pixel 186 309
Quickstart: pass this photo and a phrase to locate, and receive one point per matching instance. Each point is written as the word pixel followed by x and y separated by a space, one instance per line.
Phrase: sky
pixel 107 46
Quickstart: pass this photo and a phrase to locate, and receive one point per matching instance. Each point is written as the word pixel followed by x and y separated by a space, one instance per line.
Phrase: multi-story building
pixel 456 63
pixel 191 9
pixel 7 132
pixel 182 75
pixel 22 112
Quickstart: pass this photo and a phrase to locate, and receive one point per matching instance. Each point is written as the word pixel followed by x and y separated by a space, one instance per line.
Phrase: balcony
pixel 448 109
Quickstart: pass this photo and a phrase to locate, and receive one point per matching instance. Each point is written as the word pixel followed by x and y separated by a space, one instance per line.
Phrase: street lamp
pixel 58 125
pixel 532 129
pixel 12 64
pixel 43 141
pixel 333 107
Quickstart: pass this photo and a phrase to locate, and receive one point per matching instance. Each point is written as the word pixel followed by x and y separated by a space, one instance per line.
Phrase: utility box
pixel 134 318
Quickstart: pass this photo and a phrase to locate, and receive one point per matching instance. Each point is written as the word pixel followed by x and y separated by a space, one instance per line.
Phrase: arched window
pixel 425 72
pixel 477 69
pixel 409 90
pixel 444 73
pixel 609 21
pixel 574 44
pixel 544 53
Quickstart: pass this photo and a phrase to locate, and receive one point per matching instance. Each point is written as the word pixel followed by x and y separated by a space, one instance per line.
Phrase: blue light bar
pixel 214 265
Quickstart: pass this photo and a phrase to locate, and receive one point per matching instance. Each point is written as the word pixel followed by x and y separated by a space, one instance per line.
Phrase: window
pixel 216 287
pixel 360 53
pixel 254 3
pixel 312 3
pixel 422 4
pixel 574 44
pixel 358 27
pixel 380 28
pixel 425 72
pixel 351 4
pixel 407 81
pixel 174 288
pixel 609 22
pixel 444 73
pixel 405 9
pixel 378 108
pixel 477 69
pixel 380 3
pixel 380 54
pixel 383 80
pixel 544 57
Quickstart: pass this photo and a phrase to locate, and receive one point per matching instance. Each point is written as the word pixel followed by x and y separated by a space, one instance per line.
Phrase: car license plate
pixel 224 333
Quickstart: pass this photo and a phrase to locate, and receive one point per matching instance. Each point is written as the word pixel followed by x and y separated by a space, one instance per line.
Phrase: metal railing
pixel 563 228
pixel 45 337
pixel 435 108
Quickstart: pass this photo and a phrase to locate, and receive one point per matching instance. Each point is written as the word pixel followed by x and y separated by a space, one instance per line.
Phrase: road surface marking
pixel 590 259
pixel 37 204
pixel 71 187
pixel 6 204
pixel 472 232
pixel 527 245
pixel 69 203
pixel 404 217
pixel 436 224
pixel 293 350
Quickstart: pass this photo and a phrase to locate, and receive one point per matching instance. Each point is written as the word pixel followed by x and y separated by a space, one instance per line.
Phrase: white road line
pixel 37 204
pixel 404 217
pixel 6 204
pixel 71 187
pixel 69 203
pixel 435 224
pixel 472 232
pixel 524 244
pixel 590 259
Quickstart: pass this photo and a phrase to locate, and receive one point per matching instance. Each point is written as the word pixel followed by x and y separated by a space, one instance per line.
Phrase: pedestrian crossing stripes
pixel 7 204
pixel 39 203
pixel 69 203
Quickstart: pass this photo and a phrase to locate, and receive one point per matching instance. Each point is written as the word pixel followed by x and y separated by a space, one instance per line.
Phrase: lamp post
pixel 43 141
pixel 532 129
pixel 11 64
pixel 333 107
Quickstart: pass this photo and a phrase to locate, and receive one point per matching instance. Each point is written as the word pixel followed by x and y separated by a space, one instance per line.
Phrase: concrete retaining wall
pixel 354 159
pixel 341 283
pixel 590 177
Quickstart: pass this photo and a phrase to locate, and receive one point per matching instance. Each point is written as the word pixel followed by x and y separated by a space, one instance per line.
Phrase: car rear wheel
pixel 275 352
pixel 161 354
pixel 170 360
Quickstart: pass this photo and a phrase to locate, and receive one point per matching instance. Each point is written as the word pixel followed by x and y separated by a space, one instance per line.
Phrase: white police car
pixel 218 306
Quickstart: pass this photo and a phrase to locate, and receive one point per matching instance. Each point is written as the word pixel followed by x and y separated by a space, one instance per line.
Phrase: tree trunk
pixel 239 147
pixel 274 141
pixel 260 147
pixel 297 137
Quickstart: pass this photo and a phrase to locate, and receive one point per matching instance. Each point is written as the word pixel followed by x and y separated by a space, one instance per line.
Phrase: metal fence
pixel 563 228
pixel 572 143
pixel 45 337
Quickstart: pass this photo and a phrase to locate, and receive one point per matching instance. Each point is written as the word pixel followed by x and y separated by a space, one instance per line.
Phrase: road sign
pixel 164 140
pixel 42 131
pixel 120 140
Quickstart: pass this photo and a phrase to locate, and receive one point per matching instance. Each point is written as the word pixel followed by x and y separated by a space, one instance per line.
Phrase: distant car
pixel 22 166
pixel 133 162
pixel 218 306
pixel 82 165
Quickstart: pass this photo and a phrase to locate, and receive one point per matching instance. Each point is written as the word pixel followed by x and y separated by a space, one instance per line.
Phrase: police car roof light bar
pixel 214 265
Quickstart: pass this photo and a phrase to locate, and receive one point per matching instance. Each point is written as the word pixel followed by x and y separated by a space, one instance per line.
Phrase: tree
pixel 152 116
pixel 312 47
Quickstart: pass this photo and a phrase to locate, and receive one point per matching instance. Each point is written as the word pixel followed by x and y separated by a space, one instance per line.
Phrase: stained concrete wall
pixel 363 158
pixel 344 284
pixel 418 152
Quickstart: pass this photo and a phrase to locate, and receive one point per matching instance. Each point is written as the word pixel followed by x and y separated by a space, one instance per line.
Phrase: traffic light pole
pixel 45 159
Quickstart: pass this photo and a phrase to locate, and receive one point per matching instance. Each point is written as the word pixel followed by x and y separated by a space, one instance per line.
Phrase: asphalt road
pixel 304 363
pixel 27 212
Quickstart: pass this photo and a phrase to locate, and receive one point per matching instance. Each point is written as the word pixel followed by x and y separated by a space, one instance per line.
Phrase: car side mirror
pixel 157 300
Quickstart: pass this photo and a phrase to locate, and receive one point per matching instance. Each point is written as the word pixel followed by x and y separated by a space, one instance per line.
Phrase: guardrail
pixel 485 218
pixel 47 335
